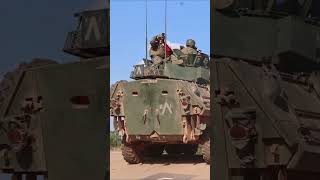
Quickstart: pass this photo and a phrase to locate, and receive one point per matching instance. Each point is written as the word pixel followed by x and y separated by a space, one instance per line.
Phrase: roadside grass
pixel 115 141
pixel 199 152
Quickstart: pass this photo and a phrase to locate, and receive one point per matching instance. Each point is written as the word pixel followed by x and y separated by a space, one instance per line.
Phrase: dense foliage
pixel 115 140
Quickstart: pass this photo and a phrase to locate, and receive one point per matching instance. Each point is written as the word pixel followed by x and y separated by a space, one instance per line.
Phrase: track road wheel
pixel 131 154
pixel 206 151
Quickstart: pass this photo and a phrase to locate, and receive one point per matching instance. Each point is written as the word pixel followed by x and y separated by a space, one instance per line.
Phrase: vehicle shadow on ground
pixel 166 159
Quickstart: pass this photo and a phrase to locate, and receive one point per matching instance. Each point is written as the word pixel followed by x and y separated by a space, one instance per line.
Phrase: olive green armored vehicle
pixel 53 116
pixel 165 107
pixel 265 76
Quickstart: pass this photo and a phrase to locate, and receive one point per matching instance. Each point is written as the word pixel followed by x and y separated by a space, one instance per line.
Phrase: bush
pixel 115 140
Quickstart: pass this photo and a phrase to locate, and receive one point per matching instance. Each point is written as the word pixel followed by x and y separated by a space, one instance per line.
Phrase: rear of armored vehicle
pixel 268 121
pixel 53 115
pixel 266 115
pixel 163 111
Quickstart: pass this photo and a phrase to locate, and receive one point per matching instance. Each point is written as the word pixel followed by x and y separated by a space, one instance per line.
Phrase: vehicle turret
pixel 90 39
pixel 285 33
pixel 194 68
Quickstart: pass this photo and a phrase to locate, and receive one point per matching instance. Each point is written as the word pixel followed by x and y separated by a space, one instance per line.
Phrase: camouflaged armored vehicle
pixel 51 115
pixel 166 107
pixel 266 77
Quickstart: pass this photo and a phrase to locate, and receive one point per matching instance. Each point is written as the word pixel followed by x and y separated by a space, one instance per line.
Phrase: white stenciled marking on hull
pixel 93 27
pixel 165 107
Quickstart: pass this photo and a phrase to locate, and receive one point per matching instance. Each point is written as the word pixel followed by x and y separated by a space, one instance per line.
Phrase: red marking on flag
pixel 168 50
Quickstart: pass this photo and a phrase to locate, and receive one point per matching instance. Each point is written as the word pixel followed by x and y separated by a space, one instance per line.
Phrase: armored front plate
pixel 74 118
pixel 156 108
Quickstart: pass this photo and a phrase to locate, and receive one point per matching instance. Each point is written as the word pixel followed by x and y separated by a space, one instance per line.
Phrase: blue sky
pixel 38 28
pixel 185 19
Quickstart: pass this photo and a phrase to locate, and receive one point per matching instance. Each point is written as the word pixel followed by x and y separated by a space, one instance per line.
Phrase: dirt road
pixel 162 168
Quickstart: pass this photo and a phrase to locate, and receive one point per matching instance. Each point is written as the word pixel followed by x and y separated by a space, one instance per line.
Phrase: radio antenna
pixel 146 30
pixel 165 28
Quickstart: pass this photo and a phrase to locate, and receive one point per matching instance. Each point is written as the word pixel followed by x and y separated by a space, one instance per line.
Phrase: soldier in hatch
pixel 190 47
pixel 170 55
pixel 162 40
pixel 157 52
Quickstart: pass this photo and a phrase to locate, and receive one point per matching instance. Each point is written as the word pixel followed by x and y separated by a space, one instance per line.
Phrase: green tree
pixel 115 140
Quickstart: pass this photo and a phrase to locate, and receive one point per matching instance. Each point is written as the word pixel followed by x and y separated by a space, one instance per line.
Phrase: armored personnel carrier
pixel 265 77
pixel 52 118
pixel 165 107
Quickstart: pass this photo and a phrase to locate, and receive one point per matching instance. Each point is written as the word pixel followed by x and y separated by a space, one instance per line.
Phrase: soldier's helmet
pixel 154 42
pixel 191 43
pixel 161 36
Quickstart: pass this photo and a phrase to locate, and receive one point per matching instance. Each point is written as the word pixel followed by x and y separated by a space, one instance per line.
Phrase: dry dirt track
pixel 162 168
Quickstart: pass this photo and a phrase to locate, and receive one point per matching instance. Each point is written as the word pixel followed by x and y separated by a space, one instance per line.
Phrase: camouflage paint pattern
pixel 166 103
